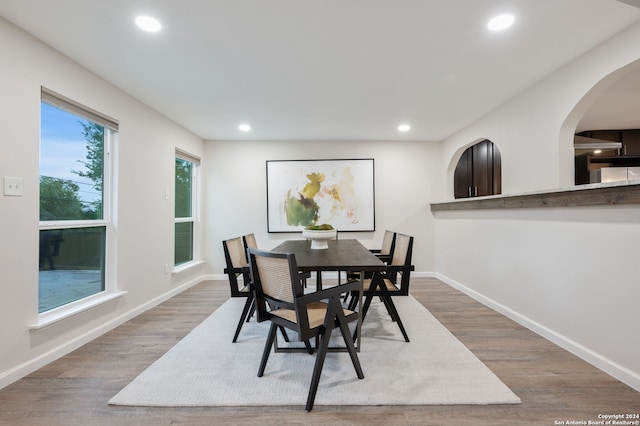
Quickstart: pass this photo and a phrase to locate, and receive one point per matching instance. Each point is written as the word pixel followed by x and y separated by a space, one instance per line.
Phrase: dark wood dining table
pixel 342 255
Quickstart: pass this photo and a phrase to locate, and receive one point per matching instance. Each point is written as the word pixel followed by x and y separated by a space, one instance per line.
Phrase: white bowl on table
pixel 319 238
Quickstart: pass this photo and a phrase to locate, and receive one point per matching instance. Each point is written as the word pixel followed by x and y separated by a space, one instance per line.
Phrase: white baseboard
pixel 619 372
pixel 28 367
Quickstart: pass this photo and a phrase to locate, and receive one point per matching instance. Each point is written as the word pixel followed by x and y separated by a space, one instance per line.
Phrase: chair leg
pixel 252 310
pixel 389 310
pixel 353 302
pixel 365 308
pixel 243 316
pixel 344 329
pixel 267 348
pixel 284 333
pixel 309 347
pixel 394 314
pixel 317 369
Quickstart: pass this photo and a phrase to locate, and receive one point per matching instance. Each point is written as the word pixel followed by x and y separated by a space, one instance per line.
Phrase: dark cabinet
pixel 629 138
pixel 479 171
pixel 588 164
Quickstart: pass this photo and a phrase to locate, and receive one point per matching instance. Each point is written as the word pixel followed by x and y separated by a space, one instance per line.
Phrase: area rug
pixel 207 369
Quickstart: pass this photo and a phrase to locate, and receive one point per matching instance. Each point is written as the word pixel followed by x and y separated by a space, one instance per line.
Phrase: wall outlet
pixel 167 268
pixel 12 186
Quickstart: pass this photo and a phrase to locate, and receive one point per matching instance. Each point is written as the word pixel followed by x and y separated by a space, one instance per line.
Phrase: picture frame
pixel 338 192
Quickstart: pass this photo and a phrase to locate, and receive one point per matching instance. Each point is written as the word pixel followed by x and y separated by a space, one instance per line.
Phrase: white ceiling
pixel 322 69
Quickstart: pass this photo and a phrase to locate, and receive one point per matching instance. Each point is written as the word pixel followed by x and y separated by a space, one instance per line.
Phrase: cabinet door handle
pixel 469 191
pixel 476 191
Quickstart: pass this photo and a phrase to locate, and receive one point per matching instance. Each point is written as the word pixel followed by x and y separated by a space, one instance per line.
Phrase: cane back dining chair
pixel 394 281
pixel 280 299
pixel 385 252
pixel 237 266
pixel 249 241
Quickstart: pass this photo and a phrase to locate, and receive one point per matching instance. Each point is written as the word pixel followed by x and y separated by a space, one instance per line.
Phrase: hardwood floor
pixel 554 385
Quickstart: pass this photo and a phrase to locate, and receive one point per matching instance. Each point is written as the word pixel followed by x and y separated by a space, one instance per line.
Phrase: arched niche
pixel 478 171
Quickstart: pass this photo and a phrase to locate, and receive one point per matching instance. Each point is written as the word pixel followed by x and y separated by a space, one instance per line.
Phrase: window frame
pixel 110 291
pixel 194 219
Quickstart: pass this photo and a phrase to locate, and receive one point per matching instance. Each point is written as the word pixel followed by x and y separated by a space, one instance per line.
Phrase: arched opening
pixel 607 131
pixel 478 172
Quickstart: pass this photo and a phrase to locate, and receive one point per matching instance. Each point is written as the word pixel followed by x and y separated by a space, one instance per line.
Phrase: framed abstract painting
pixel 314 192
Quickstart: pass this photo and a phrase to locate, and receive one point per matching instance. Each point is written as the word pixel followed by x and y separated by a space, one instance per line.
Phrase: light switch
pixel 12 186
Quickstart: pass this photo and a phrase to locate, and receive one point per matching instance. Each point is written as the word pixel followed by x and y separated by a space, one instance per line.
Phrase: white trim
pixel 610 367
pixel 216 277
pixel 109 292
pixel 66 104
pixel 187 156
pixel 73 224
pixel 72 309
pixel 186 266
pixel 423 274
pixel 9 376
pixel 194 219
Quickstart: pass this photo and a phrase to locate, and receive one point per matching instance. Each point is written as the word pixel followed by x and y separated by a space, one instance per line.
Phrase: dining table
pixel 341 255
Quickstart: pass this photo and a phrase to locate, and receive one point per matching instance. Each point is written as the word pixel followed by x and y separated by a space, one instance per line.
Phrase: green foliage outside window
pixel 183 249
pixel 61 199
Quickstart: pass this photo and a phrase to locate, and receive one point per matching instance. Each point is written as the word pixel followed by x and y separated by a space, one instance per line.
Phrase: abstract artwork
pixel 314 192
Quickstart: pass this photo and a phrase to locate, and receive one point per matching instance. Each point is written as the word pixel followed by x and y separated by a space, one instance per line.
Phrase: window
pixel 185 208
pixel 74 201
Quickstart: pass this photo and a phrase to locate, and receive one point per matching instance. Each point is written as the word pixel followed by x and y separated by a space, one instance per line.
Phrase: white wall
pixel 144 221
pixel 570 274
pixel 566 273
pixel 406 176
pixel 534 131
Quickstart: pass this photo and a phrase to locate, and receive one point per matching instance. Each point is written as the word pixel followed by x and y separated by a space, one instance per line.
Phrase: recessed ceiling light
pixel 149 24
pixel 404 128
pixel 244 127
pixel 501 22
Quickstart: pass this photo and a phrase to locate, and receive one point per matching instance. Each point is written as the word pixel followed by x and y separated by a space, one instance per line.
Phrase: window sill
pixel 187 266
pixel 600 194
pixel 60 314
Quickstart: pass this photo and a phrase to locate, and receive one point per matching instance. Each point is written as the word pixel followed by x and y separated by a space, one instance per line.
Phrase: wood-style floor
pixel 554 385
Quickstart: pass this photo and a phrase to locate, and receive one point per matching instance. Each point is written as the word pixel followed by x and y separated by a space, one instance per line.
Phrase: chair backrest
pixel 276 281
pixel 388 243
pixel 234 253
pixel 401 263
pixel 250 241
pixel 236 258
pixel 403 250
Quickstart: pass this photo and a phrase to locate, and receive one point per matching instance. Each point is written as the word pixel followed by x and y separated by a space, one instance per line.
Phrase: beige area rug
pixel 207 369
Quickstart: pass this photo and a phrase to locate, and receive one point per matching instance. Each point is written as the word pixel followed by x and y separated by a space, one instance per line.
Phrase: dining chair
pixel 280 298
pixel 385 253
pixel 237 266
pixel 249 241
pixel 394 281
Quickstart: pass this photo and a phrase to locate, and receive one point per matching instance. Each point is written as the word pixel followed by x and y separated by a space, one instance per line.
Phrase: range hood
pixel 635 3
pixel 583 142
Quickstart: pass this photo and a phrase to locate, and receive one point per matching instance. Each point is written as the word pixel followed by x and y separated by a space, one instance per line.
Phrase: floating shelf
pixel 585 195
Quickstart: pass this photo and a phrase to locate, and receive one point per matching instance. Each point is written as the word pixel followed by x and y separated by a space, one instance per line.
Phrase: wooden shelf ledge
pixel 579 196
